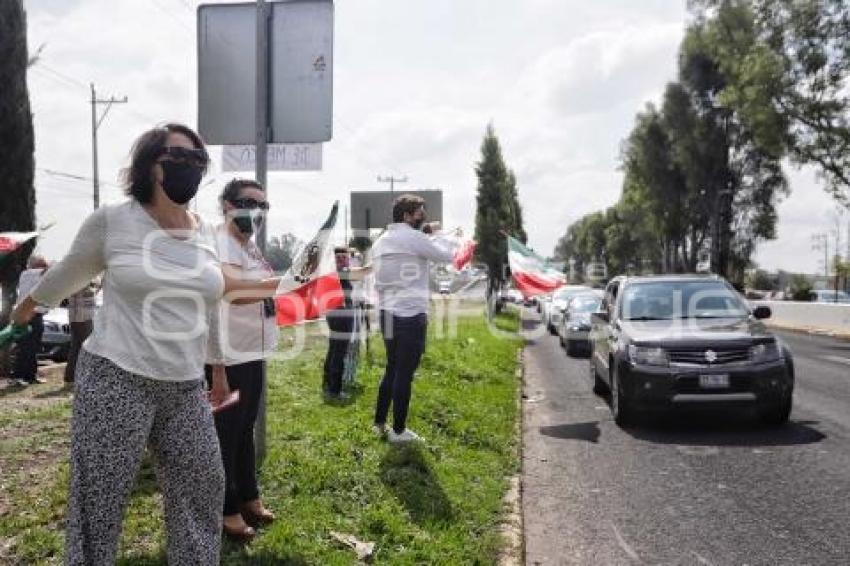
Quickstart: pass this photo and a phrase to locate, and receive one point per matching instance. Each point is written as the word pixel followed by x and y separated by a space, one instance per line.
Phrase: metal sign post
pixel 261 138
pixel 272 62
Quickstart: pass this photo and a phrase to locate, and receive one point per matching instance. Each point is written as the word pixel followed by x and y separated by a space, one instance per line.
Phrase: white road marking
pixel 838 359
pixel 623 544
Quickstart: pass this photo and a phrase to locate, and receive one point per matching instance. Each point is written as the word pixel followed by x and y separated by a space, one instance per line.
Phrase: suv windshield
pixel 666 300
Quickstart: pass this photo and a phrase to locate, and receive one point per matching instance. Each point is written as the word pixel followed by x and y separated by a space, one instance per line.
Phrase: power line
pixel 171 15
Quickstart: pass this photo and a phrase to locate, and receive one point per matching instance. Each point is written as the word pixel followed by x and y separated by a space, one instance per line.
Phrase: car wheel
pixel 551 329
pixel 571 348
pixel 777 414
pixel 599 386
pixel 620 403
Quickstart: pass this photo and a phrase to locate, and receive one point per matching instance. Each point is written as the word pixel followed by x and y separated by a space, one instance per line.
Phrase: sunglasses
pixel 197 157
pixel 249 203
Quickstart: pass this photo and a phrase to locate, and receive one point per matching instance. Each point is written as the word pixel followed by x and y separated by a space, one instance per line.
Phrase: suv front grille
pixel 707 356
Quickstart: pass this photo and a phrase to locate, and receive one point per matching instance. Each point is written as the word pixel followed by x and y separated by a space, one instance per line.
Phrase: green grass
pixel 439 503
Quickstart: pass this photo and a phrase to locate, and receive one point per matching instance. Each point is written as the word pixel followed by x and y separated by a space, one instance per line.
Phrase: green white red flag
pixel 11 241
pixel 313 286
pixel 532 274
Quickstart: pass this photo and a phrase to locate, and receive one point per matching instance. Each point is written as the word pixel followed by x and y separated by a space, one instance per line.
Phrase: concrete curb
pixel 512 528
pixel 811 330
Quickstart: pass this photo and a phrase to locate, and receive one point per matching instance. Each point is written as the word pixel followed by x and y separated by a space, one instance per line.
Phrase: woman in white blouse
pixel 139 378
pixel 249 335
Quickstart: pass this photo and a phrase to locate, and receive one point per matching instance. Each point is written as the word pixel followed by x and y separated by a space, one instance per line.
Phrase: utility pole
pixel 820 241
pixel 392 181
pixel 95 124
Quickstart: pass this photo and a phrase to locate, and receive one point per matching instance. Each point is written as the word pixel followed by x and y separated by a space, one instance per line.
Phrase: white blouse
pixel 161 293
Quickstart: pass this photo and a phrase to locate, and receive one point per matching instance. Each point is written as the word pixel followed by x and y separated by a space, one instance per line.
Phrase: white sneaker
pixel 406 436
pixel 380 430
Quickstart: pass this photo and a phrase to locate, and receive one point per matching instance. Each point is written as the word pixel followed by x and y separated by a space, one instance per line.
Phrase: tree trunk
pixel 17 204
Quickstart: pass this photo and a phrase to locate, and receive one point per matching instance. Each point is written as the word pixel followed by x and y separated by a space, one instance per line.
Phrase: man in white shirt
pixel 400 259
pixel 25 371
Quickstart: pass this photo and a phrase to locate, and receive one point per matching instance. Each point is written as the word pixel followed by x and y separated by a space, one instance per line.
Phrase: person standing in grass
pixel 400 260
pixel 81 307
pixel 249 336
pixel 139 378
pixel 25 370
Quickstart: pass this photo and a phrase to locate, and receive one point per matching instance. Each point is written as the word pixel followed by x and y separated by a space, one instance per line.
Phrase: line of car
pixel 673 342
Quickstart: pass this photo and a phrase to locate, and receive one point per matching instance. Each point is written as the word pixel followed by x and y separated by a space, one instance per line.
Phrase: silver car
pixel 560 298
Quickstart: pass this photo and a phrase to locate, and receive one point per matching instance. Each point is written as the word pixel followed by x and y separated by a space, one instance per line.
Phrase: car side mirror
pixel 600 316
pixel 762 312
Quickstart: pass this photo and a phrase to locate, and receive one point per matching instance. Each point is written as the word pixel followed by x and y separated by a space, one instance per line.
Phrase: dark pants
pixel 235 428
pixel 26 358
pixel 79 332
pixel 404 339
pixel 340 324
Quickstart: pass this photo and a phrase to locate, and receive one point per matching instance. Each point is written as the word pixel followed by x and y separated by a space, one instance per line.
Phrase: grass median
pixel 325 471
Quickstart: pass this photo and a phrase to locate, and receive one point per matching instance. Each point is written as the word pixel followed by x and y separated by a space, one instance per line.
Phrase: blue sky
pixel 415 84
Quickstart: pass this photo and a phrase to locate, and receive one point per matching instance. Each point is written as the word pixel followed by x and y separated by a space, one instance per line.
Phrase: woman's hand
pixel 220 389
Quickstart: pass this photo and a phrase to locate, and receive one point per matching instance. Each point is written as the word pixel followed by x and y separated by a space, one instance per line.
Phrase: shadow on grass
pixel 352 392
pixel 407 474
pixel 234 554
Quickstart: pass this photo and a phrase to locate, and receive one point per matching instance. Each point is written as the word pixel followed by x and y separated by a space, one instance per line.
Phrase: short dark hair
pixel 231 190
pixel 341 250
pixel 146 150
pixel 406 204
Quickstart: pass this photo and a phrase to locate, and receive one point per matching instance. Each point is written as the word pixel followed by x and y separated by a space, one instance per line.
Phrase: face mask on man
pixel 180 181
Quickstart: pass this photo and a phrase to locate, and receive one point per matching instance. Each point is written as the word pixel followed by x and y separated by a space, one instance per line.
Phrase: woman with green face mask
pixel 249 335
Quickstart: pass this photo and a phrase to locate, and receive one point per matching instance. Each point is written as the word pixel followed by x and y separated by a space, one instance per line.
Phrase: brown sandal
pixel 243 533
pixel 257 517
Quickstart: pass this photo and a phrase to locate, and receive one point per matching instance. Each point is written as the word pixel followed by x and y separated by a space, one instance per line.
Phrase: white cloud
pixel 416 82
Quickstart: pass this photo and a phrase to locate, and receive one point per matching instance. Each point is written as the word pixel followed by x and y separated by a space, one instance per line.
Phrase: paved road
pixel 710 491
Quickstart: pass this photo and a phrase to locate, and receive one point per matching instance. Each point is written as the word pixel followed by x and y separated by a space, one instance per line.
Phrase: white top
pixel 400 261
pixel 246 333
pixel 160 293
pixel 26 282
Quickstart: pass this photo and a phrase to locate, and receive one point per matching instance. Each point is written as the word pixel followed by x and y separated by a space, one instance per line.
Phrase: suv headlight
pixel 769 352
pixel 644 356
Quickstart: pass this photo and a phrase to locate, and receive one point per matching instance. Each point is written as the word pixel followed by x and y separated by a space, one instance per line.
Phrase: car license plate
pixel 714 380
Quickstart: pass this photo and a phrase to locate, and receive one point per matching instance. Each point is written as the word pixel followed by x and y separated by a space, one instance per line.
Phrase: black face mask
pixel 248 221
pixel 180 181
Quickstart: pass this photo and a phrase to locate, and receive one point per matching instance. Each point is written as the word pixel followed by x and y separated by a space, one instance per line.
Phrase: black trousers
pixel 26 357
pixel 404 339
pixel 235 428
pixel 340 323
pixel 79 332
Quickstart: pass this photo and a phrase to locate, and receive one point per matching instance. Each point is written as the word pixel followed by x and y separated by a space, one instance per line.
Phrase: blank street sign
pixel 300 72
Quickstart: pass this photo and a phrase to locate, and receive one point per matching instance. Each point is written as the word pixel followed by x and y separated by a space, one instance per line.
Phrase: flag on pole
pixel 531 274
pixel 11 241
pixel 314 286
pixel 464 254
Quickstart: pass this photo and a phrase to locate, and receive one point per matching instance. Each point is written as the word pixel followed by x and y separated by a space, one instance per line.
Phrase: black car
pixel 687 341
pixel 574 329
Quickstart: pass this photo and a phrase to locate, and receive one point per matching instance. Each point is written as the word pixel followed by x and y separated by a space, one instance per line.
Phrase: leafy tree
pixel 17 203
pixel 282 251
pixel 786 73
pixel 801 288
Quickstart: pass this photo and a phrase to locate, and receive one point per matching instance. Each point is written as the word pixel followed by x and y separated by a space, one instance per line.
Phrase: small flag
pixel 464 254
pixel 315 287
pixel 532 274
pixel 11 241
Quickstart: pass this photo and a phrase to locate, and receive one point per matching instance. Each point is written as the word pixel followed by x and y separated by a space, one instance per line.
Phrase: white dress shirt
pixel 400 260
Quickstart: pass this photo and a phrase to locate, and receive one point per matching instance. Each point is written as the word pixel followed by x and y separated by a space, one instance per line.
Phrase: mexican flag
pixel 464 254
pixel 532 274
pixel 312 281
pixel 11 241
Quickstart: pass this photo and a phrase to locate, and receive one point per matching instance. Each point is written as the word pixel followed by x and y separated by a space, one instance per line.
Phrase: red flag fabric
pixel 531 274
pixel 315 288
pixel 464 254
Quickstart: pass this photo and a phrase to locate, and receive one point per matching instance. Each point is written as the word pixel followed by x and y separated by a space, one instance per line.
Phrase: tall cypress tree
pixel 494 214
pixel 17 193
